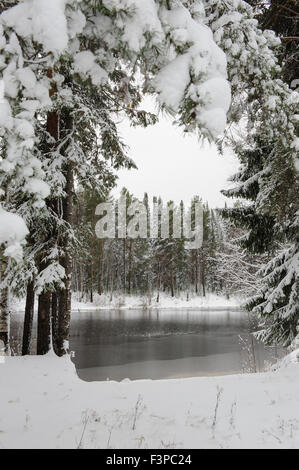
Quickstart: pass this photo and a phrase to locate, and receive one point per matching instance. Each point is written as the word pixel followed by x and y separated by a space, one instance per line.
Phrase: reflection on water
pixel 139 344
pixel 166 344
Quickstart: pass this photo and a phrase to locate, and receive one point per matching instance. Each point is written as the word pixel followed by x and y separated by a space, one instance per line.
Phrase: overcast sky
pixel 174 166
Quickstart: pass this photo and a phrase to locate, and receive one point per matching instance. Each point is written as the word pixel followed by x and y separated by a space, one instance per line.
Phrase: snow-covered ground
pixel 166 301
pixel 121 301
pixel 45 405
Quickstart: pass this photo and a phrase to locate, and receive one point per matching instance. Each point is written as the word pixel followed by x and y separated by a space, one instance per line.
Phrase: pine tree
pixel 268 178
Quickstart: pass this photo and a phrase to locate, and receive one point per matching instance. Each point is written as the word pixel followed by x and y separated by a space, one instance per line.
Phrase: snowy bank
pixel 45 405
pixel 132 302
pixel 119 301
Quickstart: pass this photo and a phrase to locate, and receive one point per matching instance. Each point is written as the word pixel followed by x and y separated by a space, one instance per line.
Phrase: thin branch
pixel 290 38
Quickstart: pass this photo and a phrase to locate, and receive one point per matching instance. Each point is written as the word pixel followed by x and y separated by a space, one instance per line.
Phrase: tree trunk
pixel 196 272
pixel 159 285
pixel 91 277
pixel 111 283
pixel 203 277
pixel 44 299
pixel 44 323
pixel 65 295
pixel 91 270
pixel 92 253
pixel 130 267
pixel 4 310
pixel 28 319
pixel 100 268
pixel 124 264
pixel 81 284
pixel 54 319
pixel 171 278
pixel 44 314
pixel 4 319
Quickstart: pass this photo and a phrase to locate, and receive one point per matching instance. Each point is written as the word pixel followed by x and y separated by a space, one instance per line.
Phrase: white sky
pixel 174 166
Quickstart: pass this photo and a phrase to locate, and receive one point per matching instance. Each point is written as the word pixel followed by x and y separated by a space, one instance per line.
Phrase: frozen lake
pixel 160 344
pixel 119 344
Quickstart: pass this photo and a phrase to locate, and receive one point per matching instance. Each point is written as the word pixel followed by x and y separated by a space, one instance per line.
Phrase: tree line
pixel 149 266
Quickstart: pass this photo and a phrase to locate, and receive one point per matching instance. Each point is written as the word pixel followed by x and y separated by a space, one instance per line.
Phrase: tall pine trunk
pixel 130 266
pixel 100 268
pixel 65 296
pixel 44 300
pixel 91 268
pixel 124 265
pixel 171 276
pixel 159 284
pixel 44 323
pixel 4 309
pixel 203 275
pixel 54 318
pixel 196 271
pixel 28 319
pixel 4 318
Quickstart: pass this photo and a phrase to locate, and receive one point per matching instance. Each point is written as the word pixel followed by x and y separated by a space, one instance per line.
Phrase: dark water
pixel 119 344
pixel 180 343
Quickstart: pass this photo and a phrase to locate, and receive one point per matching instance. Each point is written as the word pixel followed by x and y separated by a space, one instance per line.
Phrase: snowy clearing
pixel 240 411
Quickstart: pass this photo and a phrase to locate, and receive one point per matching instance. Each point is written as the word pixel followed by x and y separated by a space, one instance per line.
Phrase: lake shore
pixel 133 302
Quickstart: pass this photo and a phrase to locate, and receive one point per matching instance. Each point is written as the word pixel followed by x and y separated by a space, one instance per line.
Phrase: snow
pixel 38 186
pixel 172 81
pixel 84 63
pixel 76 22
pixel 120 301
pixel 13 231
pixel 203 59
pixel 144 20
pixel 52 275
pixel 216 93
pixel 6 120
pixel 44 393
pixel 44 20
pixel 26 77
pixel 24 129
pixel 214 120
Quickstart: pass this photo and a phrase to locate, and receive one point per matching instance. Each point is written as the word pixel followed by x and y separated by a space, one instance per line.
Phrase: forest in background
pixel 149 266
